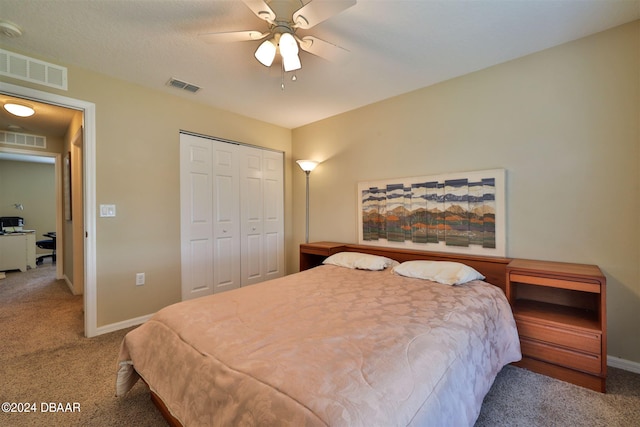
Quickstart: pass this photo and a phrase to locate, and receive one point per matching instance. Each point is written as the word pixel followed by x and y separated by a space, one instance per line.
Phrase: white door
pixel 226 216
pixel 196 216
pixel 232 215
pixel 261 210
pixel 251 202
pixel 273 207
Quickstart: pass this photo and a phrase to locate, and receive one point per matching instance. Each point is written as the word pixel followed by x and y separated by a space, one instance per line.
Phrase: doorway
pixel 84 173
pixel 30 178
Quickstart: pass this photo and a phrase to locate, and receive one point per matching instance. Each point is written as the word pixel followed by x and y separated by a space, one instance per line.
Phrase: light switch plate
pixel 107 211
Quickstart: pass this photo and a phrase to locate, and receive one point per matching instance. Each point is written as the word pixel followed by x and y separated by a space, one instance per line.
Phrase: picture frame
pixel 463 212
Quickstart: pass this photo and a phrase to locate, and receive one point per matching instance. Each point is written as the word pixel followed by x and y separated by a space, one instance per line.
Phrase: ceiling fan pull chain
pixel 282 77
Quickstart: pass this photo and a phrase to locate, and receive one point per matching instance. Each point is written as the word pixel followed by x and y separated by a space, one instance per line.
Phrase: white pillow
pixel 360 261
pixel 446 272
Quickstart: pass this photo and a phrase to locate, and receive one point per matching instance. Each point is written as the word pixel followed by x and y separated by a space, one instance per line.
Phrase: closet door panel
pixel 252 197
pixel 273 248
pixel 252 264
pixel 200 245
pixel 251 212
pixel 196 245
pixel 224 209
pixel 225 276
pixel 200 268
pixel 273 206
pixel 226 228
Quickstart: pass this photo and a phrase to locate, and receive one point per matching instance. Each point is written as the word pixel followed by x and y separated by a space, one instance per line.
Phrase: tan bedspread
pixel 328 346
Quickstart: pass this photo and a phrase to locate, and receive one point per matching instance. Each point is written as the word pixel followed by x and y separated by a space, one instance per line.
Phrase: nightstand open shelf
pixel 560 312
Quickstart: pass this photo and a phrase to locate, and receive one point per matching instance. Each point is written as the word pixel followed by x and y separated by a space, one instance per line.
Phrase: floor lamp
pixel 307 166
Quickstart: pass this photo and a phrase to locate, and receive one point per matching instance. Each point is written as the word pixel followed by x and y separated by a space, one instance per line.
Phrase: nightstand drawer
pixel 587 286
pixel 578 340
pixel 591 363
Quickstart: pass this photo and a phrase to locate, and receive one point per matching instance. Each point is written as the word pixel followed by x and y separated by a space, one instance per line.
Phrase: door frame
pixel 89 190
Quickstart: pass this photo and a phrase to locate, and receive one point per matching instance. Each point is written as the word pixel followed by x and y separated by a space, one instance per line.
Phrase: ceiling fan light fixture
pixel 266 52
pixel 288 45
pixel 285 17
pixel 289 50
pixel 291 63
pixel 19 109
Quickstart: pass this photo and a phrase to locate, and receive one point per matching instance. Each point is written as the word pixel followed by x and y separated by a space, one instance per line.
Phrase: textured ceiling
pixel 396 46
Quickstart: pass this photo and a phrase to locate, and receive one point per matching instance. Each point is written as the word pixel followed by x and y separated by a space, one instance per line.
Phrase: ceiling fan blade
pixel 317 11
pixel 323 49
pixel 233 36
pixel 261 9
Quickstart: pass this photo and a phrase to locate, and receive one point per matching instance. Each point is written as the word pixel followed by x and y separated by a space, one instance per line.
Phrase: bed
pixel 334 345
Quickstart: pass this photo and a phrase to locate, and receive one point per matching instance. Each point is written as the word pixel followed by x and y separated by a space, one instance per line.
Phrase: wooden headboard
pixel 493 268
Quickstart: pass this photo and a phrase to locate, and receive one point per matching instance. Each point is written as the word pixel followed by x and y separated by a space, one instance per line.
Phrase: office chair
pixel 50 245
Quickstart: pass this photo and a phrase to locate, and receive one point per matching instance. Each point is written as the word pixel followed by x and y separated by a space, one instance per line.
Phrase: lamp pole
pixel 306 235
pixel 307 166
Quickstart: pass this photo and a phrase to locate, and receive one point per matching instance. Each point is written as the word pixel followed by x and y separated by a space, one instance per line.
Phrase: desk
pixel 18 251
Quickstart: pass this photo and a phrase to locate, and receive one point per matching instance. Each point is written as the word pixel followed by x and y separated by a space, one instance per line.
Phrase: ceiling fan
pixel 284 18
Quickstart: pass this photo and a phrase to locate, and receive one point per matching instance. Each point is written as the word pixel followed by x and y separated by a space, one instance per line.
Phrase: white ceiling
pixel 396 46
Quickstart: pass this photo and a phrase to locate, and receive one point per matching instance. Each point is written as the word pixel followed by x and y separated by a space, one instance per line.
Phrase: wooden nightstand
pixel 560 311
pixel 312 254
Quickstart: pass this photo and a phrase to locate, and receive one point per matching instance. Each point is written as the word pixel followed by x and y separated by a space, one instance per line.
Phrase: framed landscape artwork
pixel 457 212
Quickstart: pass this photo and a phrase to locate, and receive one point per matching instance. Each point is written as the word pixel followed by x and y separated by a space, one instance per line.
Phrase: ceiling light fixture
pixel 10 30
pixel 289 51
pixel 285 18
pixel 19 109
pixel 283 42
pixel 266 53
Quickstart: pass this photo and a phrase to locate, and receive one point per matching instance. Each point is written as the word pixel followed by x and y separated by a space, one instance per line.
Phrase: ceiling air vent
pixel 183 85
pixel 32 70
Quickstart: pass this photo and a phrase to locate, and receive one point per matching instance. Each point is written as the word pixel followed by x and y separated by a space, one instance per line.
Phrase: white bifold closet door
pixel 232 215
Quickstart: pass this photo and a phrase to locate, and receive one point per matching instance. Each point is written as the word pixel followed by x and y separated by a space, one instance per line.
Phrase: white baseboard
pixel 122 325
pixel 68 282
pixel 627 365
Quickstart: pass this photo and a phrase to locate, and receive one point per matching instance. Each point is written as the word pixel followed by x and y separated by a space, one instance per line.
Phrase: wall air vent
pixel 183 85
pixel 32 70
pixel 23 139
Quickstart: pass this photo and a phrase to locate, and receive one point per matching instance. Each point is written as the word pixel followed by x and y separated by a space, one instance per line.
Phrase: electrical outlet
pixel 139 279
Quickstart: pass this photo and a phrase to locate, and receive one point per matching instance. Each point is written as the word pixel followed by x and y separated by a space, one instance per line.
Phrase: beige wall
pixel 33 185
pixel 564 123
pixel 137 169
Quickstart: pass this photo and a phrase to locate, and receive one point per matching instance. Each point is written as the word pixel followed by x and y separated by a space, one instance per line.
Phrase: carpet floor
pixel 48 367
